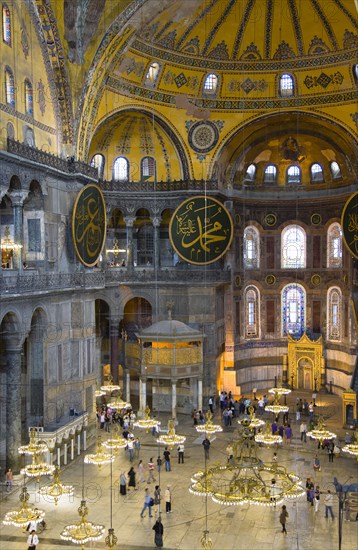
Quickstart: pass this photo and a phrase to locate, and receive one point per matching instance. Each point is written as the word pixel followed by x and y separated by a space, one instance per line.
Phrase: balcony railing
pixel 145 186
pixel 139 275
pixel 15 284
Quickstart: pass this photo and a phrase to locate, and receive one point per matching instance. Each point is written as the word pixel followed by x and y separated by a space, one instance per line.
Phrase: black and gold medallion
pixel 89 224
pixel 201 230
pixel 349 223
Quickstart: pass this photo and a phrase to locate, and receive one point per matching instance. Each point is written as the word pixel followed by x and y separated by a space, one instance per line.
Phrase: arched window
pixel 293 309
pixel 335 170
pixel 293 174
pixel 6 25
pixel 145 245
pixel 252 321
pixel 97 161
pixel 152 74
pixel 250 173
pixel 334 313
pixel 270 174
pixel 211 84
pixel 316 173
pixel 121 169
pixel 293 247
pixel 251 248
pixel 286 85
pixel 29 98
pixel 9 87
pixel 334 245
pixel 355 72
pixel 147 168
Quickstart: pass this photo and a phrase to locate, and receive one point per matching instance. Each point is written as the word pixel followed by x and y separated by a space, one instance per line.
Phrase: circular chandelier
pixel 268 438
pixel 208 427
pixel 275 407
pixel 37 468
pixel 116 442
pixel 110 387
pixel 352 449
pixel 99 457
pixel 119 403
pixel 99 393
pixel 171 438
pixel 84 531
pixel 254 422
pixel 22 517
pixel 280 391
pixel 56 489
pixel 147 422
pixel 34 446
pixel 248 480
pixel 320 431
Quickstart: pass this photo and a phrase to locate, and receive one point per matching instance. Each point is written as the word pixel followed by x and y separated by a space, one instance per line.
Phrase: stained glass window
pixel 293 174
pixel 286 85
pixel 9 87
pixel 252 299
pixel 270 174
pixel 334 245
pixel 121 169
pixel 316 173
pixel 147 167
pixel 211 83
pixel 29 98
pixel 334 313
pixel 98 162
pixel 293 309
pixel 6 25
pixel 251 247
pixel 293 247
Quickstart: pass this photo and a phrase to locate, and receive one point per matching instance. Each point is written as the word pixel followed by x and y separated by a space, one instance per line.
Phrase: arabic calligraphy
pixel 201 230
pixel 349 223
pixel 89 225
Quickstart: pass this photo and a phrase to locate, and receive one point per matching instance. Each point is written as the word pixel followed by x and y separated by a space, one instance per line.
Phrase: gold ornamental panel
pixel 172 356
pixel 305 355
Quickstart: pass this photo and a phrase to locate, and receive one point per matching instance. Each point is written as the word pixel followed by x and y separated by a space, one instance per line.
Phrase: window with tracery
pixel 211 83
pixel 251 248
pixel 252 302
pixel 121 169
pixel 270 174
pixel 250 173
pixel 334 245
pixel 335 170
pixel 293 247
pixel 9 87
pixel 97 161
pixel 293 174
pixel 29 98
pixel 6 25
pixel 334 313
pixel 147 167
pixel 286 85
pixel 152 73
pixel 316 173
pixel 293 309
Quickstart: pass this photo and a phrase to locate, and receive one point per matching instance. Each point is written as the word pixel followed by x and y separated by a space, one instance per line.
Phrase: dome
pixel 170 329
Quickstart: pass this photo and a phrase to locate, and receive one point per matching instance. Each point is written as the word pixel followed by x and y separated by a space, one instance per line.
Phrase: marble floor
pixel 231 527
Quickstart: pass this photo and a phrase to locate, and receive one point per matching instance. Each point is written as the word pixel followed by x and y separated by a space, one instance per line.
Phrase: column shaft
pixel 174 399
pixel 200 395
pixel 13 410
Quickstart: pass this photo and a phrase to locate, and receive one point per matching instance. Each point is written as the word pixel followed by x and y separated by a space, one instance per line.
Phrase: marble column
pixel 114 334
pixel 17 199
pixel 59 456
pixel 78 444
pixel 72 447
pixel 142 394
pixel 174 398
pixel 126 394
pixel 156 241
pixel 13 409
pixel 85 440
pixel 65 453
pixel 130 259
pixel 200 395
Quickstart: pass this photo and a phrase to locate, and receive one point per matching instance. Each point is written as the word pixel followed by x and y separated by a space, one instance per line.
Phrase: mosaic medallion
pixel 349 223
pixel 316 280
pixel 270 279
pixel 316 219
pixel 270 219
pixel 203 136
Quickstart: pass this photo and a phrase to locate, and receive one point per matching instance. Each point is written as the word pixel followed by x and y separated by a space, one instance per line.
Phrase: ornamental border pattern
pixel 153 51
pixel 26 118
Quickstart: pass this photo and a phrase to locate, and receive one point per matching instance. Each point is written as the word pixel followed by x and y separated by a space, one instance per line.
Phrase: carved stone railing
pixel 50 281
pixel 55 437
pixel 167 275
pixel 69 165
pixel 176 185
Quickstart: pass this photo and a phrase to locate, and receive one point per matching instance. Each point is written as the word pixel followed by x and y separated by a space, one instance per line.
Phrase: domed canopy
pixel 170 330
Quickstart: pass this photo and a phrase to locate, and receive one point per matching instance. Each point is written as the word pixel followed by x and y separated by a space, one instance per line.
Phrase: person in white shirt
pixel 181 453
pixel 32 540
pixel 328 501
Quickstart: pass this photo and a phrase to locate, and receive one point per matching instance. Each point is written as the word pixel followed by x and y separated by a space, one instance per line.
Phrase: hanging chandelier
pixel 171 438
pixel 119 403
pixel 99 457
pixel 320 431
pixel 268 438
pixel 83 532
pixel 275 407
pixel 22 517
pixel 352 449
pixel 116 442
pixel 247 480
pixel 56 489
pixel 111 539
pixel 280 391
pixel 37 468
pixel 110 387
pixel 205 541
pixel 146 423
pixel 208 427
pixel 254 422
pixel 99 393
pixel 34 446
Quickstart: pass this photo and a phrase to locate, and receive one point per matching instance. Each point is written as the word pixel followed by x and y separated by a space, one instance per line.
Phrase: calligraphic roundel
pixel 349 224
pixel 201 230
pixel 89 224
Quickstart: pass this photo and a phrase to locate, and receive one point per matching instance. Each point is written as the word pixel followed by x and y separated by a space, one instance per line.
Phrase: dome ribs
pixel 245 18
pixel 217 25
pixel 195 22
pixel 296 25
pixel 268 29
pixel 325 23
pixel 351 17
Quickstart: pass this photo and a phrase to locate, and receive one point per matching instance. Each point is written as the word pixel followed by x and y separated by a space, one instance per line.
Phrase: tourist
pixel 159 464
pixel 283 518
pixel 9 479
pixel 136 447
pixel 131 476
pixel 309 490
pixel 130 448
pixel 274 459
pixel 303 431
pixel 230 453
pixel 123 484
pixel 330 448
pixel 148 503
pixel 211 405
pixel 273 428
pixel 289 434
pixel 181 453
pixel 206 444
pixel 328 501
pixel 168 500
pixel 167 459
pixel 151 470
pixel 261 407
pixel 157 497
pixel 32 540
pixel 317 498
pixel 316 464
pixel 159 532
pixel 140 471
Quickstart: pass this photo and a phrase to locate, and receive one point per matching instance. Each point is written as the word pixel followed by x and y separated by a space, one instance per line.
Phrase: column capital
pixel 156 221
pixel 129 221
pixel 18 197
